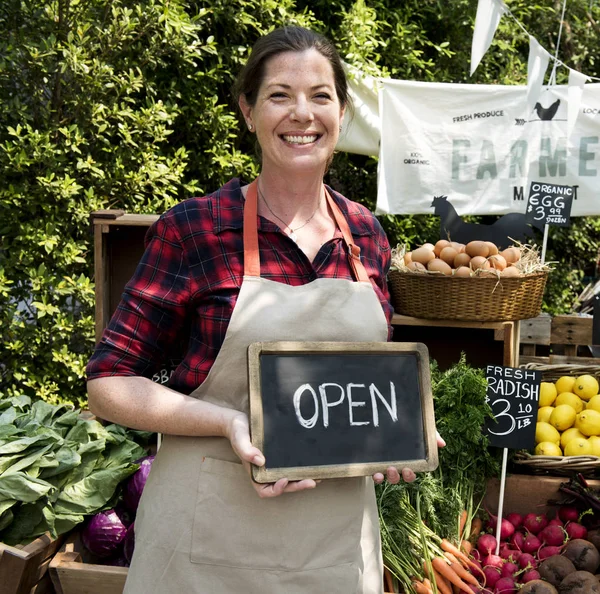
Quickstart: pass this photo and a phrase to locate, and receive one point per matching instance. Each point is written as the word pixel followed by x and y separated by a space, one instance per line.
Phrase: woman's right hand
pixel 239 436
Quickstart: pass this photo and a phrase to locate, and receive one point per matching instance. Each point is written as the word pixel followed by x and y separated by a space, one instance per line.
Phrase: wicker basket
pixel 560 465
pixel 483 299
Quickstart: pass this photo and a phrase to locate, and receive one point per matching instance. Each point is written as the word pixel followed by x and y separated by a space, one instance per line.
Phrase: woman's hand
pixel 393 475
pixel 239 436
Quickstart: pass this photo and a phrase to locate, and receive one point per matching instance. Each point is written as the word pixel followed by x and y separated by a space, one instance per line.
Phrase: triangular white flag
pixel 536 70
pixel 577 81
pixel 486 23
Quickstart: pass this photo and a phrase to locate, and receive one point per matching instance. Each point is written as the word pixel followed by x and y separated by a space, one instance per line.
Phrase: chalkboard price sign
pixel 549 204
pixel 340 409
pixel 513 395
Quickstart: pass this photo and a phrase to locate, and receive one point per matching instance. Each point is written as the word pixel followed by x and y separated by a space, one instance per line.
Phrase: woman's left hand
pixel 393 475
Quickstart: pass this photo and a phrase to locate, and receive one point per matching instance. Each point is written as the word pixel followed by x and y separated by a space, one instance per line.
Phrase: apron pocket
pixel 234 527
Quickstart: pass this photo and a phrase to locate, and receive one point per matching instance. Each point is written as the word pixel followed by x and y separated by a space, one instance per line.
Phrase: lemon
pixel 579 446
pixel 571 399
pixel 565 383
pixel 563 417
pixel 586 386
pixel 595 443
pixel 547 448
pixel 594 403
pixel 588 422
pixel 546 432
pixel 548 393
pixel 543 415
pixel 568 435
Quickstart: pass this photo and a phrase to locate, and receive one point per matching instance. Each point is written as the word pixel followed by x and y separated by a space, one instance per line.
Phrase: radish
pixel 506 528
pixel 552 535
pixel 555 522
pixel 476 554
pixel 531 544
pixel 568 513
pixel 527 560
pixel 535 523
pixel 515 519
pixel 493 561
pixel 576 530
pixel 517 540
pixel 505 585
pixel 509 569
pixel 492 575
pixel 547 552
pixel 509 554
pixel 486 544
pixel 530 575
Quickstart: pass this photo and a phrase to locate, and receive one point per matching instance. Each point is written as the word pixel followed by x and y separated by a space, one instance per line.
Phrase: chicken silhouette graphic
pixel 547 113
pixel 501 232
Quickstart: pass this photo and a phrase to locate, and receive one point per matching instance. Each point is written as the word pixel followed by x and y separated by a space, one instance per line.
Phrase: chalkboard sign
pixel 549 204
pixel 513 395
pixel 340 409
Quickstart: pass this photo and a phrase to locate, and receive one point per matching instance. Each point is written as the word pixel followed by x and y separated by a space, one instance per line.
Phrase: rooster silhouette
pixel 501 232
pixel 547 113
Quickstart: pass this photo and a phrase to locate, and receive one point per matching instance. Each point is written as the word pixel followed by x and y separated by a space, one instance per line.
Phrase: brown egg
pixel 459 247
pixel 511 255
pixel 497 262
pixel 437 265
pixel 479 262
pixel 511 271
pixel 493 248
pixel 463 271
pixel 477 248
pixel 461 259
pixel 439 246
pixel 448 254
pixel 416 267
pixel 408 257
pixel 429 246
pixel 423 255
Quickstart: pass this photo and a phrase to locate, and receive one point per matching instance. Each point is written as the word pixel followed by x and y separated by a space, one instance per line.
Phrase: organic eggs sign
pixel 513 396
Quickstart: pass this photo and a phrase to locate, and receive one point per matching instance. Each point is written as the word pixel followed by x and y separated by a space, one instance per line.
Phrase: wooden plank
pixel 563 359
pixel 73 577
pixel 401 320
pixel 571 330
pixel 524 359
pixel 44 586
pixel 509 345
pixel 536 330
pixel 127 220
pixel 100 280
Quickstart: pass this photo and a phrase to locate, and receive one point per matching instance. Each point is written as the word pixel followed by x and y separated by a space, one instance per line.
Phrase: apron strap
pixel 252 255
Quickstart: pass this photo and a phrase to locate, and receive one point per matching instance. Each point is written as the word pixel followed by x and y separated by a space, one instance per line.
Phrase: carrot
pixel 440 582
pixel 466 547
pixel 442 567
pixel 388 579
pixel 463 574
pixel 448 547
pixel 461 522
pixel 421 588
pixel 476 526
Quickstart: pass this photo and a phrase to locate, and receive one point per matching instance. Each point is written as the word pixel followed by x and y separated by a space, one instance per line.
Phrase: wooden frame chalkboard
pixel 340 409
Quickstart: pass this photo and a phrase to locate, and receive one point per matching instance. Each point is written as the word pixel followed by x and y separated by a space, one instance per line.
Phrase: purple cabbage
pixel 129 543
pixel 135 484
pixel 104 534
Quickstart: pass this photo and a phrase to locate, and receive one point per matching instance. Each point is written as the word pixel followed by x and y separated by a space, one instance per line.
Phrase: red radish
pixel 527 560
pixel 517 540
pixel 576 530
pixel 515 519
pixel 476 554
pixel 531 544
pixel 547 552
pixel 555 522
pixel 493 561
pixel 535 523
pixel 553 535
pixel 509 569
pixel 492 575
pixel 530 575
pixel 509 554
pixel 568 513
pixel 506 528
pixel 486 544
pixel 505 585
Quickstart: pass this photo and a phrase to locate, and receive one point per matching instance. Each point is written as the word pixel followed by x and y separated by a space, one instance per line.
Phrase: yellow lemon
pixel 547 448
pixel 571 399
pixel 586 386
pixel 595 443
pixel 544 413
pixel 594 402
pixel 579 446
pixel 546 432
pixel 563 417
pixel 568 435
pixel 588 422
pixel 548 393
pixel 565 383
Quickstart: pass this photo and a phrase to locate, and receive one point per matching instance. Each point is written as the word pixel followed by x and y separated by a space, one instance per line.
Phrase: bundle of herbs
pixel 420 520
pixel 57 467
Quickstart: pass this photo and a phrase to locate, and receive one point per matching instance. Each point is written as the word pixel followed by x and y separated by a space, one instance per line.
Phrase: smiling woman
pixel 283 256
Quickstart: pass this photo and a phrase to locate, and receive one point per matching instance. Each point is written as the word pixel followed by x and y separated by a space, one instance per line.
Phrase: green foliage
pixel 127 104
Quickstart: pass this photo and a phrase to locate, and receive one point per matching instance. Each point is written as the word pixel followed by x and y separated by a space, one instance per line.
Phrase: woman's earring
pixel 250 126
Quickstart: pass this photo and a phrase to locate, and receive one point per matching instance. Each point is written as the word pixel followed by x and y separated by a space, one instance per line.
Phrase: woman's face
pixel 297 114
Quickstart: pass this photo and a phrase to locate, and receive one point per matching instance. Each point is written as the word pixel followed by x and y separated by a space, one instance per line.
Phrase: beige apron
pixel 201 528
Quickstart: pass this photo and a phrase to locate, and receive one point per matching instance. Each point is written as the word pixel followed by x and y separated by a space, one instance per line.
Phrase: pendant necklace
pixel 292 234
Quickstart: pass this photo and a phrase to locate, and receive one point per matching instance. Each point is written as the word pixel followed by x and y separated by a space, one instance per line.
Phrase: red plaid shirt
pixel 175 310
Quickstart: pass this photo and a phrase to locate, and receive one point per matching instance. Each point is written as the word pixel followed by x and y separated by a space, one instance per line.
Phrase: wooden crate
pixel 557 340
pixel 24 569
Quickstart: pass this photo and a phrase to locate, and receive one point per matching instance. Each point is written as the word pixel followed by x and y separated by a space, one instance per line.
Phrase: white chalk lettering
pixel 392 407
pixel 352 404
pixel 308 423
pixel 326 404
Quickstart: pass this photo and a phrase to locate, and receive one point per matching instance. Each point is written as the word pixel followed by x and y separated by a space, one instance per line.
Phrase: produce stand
pixel 24 569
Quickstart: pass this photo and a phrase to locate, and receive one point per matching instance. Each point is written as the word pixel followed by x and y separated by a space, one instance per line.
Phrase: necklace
pixel 292 234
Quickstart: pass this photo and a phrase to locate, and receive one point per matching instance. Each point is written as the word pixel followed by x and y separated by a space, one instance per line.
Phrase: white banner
pixel 482 147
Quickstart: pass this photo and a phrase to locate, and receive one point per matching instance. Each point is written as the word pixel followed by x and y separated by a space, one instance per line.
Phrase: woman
pixel 266 261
